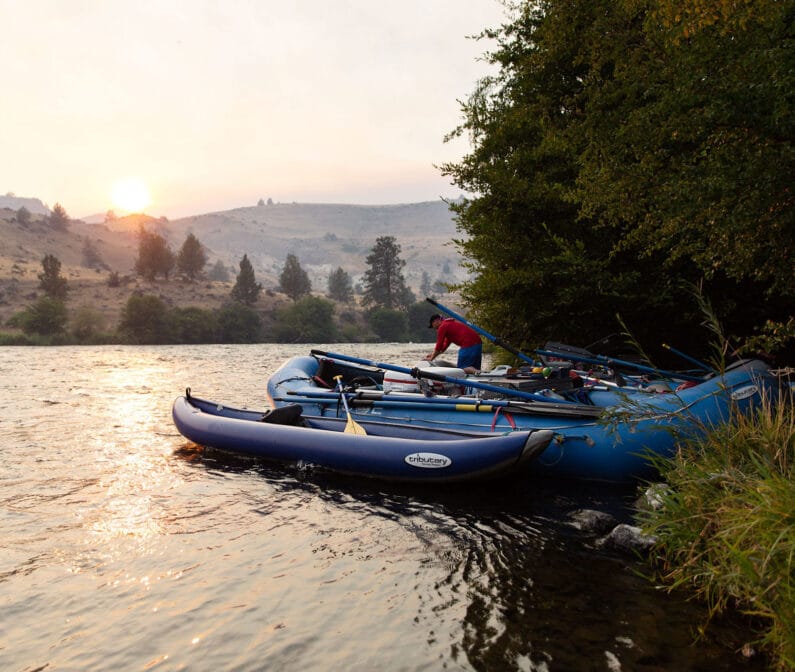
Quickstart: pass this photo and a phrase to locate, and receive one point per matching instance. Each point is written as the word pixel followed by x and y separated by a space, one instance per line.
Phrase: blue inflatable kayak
pixel 391 451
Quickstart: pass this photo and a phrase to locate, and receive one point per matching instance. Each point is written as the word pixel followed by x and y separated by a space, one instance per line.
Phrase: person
pixel 450 331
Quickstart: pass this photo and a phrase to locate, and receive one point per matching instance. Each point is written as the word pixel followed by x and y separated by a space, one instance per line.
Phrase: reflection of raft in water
pixel 387 451
pixel 606 438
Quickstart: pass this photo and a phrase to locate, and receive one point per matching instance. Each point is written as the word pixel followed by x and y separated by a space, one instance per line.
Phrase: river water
pixel 124 547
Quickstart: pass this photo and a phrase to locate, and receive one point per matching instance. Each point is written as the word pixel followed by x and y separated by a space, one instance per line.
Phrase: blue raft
pixel 388 451
pixel 607 434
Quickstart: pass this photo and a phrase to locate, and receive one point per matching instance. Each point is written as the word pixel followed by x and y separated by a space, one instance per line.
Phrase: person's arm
pixel 442 343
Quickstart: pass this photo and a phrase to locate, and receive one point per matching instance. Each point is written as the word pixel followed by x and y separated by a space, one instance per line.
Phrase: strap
pixel 508 417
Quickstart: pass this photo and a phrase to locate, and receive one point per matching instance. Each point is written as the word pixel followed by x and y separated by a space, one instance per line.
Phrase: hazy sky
pixel 217 103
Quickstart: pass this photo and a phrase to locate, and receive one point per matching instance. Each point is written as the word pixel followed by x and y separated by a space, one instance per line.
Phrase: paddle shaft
pixel 352 427
pixel 445 404
pixel 420 373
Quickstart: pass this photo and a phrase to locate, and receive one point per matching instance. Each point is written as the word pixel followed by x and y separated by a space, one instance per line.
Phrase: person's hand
pixel 429 357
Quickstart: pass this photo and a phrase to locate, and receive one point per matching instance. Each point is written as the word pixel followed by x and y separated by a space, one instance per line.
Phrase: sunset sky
pixel 212 105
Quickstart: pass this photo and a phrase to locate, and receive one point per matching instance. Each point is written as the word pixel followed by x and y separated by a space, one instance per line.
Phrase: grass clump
pixel 726 527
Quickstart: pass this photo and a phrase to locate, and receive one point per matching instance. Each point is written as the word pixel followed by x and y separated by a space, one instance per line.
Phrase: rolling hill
pixel 322 236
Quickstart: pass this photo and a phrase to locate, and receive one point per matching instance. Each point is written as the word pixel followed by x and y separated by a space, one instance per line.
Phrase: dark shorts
pixel 470 356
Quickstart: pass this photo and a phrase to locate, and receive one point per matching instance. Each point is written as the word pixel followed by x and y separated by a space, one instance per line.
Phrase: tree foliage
pixel 191 258
pixel 246 289
pixel 87 323
pixel 309 320
pixel 46 317
pixel 50 279
pixel 23 216
pixel 219 272
pixel 384 284
pixel 389 325
pixel 610 173
pixel 194 325
pixel 145 320
pixel 155 256
pixel 91 256
pixel 58 218
pixel 340 286
pixel 294 280
pixel 239 323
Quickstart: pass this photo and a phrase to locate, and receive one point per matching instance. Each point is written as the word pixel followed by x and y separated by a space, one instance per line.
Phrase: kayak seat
pixel 284 415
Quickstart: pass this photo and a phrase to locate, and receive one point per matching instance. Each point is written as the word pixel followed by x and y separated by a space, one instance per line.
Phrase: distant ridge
pixel 33 205
pixel 323 236
pixel 326 235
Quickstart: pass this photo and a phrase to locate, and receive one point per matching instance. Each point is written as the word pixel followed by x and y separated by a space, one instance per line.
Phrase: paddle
pixel 418 373
pixel 351 427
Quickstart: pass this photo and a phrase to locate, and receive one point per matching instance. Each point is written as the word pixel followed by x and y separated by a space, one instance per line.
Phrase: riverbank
pixel 725 525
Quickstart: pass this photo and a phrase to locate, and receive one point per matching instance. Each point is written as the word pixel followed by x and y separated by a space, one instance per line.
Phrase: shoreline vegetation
pixel 725 525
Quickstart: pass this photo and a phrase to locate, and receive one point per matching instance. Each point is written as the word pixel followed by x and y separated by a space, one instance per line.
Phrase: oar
pixel 418 373
pixel 363 397
pixel 611 362
pixel 494 339
pixel 351 427
pixel 701 365
pixel 595 359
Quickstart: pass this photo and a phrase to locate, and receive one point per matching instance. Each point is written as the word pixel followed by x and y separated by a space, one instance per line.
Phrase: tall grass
pixel 726 529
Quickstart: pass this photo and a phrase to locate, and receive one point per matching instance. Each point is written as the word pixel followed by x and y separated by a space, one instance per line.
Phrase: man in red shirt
pixel 468 341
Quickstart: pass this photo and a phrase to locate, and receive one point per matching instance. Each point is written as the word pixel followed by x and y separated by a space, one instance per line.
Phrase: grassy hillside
pixel 323 236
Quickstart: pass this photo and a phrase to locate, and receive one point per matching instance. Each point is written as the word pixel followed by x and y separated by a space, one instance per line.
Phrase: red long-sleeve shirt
pixel 452 331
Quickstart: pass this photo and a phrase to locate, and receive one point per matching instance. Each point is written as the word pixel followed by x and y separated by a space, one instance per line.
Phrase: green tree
pixel 340 286
pixel 426 290
pixel 417 328
pixel 607 172
pixel 51 280
pixel 246 289
pixel 46 317
pixel 91 256
pixel 154 255
pixel 86 323
pixel 384 284
pixel 700 168
pixel 309 320
pixel 389 325
pixel 294 280
pixel 145 320
pixel 219 272
pixel 194 325
pixel 238 323
pixel 191 258
pixel 58 218
pixel 23 216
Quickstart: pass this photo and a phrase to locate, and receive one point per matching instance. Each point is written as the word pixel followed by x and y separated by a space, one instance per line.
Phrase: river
pixel 124 547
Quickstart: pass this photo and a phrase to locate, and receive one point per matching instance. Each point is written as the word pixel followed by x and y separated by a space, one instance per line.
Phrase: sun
pixel 130 195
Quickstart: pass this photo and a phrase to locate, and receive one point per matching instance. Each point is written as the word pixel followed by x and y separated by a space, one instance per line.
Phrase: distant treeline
pixel 388 310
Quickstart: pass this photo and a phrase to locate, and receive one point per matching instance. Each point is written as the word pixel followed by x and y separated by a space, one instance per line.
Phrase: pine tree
pixel 384 284
pixel 294 281
pixel 58 218
pixel 425 285
pixel 191 259
pixel 246 289
pixel 51 280
pixel 340 287
pixel 154 255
